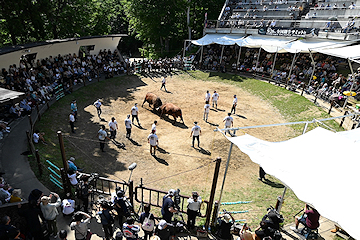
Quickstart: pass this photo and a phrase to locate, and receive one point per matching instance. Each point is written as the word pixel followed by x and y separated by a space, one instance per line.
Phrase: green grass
pixel 292 107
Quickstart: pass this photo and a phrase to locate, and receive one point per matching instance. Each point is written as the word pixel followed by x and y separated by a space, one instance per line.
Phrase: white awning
pixel 321 167
pixel 352 52
pixel 313 44
pixel 8 95
pixel 221 39
pixel 268 43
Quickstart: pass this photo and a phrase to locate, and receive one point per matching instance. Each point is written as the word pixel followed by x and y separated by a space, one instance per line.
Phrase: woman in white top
pixel 72 177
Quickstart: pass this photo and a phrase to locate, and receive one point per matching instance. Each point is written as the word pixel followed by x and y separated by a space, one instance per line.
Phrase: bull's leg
pixel 143 102
pixel 182 119
pixel 174 118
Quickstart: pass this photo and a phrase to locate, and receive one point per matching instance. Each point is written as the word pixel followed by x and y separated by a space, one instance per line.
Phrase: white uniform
pixel 113 125
pixel 228 121
pixel 134 110
pixel 215 98
pixel 102 134
pixel 196 130
pixel 206 111
pixel 207 97
pixel 153 139
pixel 153 127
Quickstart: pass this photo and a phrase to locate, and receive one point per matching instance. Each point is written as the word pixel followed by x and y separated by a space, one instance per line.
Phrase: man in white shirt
pixel 153 126
pixel 153 140
pixel 207 96
pixel 193 209
pixel 229 122
pixel 235 100
pixel 215 98
pixel 163 82
pixel 128 126
pixel 195 133
pixel 72 121
pixel 135 114
pixel 97 104
pixel 206 110
pixel 102 135
pixel 113 127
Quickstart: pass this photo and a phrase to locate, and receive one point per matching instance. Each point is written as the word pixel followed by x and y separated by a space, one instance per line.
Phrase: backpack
pixel 148 224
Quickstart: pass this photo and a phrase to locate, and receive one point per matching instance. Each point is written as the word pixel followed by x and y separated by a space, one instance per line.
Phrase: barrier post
pixel 131 192
pixel 31 123
pixel 84 81
pixel 66 183
pixel 38 161
pixel 212 193
pixel 62 150
pixel 38 111
pixel 216 209
pixel 331 105
pixel 343 119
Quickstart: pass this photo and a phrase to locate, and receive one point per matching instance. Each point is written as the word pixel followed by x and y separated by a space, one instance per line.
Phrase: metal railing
pixel 154 198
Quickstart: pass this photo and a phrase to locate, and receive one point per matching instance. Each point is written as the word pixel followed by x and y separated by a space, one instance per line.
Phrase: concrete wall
pixel 62 48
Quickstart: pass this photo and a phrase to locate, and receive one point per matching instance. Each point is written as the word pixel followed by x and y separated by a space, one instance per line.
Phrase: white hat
pixel 72 159
pixel 227 218
pixel 162 224
pixel 171 192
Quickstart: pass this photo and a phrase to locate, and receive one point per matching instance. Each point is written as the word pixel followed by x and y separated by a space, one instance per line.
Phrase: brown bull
pixel 152 99
pixel 171 109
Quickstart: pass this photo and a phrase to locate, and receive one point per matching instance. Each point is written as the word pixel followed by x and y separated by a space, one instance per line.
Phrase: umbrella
pixel 348 93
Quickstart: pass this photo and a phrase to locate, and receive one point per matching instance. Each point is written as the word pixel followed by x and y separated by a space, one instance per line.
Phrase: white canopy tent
pixel 221 39
pixel 268 43
pixel 313 44
pixel 321 167
pixel 351 52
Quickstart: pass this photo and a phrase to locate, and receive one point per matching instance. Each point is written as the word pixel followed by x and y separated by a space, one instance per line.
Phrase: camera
pixel 102 201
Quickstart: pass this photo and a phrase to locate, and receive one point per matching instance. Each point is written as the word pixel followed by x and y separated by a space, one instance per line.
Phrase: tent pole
pixel 305 128
pixel 226 169
pixel 222 52
pixel 313 71
pixel 238 60
pixel 273 66
pixel 258 58
pixel 281 200
pixel 184 49
pixel 291 67
pixel 201 54
pixel 352 77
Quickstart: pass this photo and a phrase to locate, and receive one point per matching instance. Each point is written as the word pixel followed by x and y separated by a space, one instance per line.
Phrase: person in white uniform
pixel 206 111
pixel 229 122
pixel 98 104
pixel 233 108
pixel 113 127
pixel 153 140
pixel 207 96
pixel 195 133
pixel 215 98
pixel 128 125
pixel 135 114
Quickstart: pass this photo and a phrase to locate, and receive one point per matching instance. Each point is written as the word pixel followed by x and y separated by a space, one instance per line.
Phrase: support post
pixel 201 55
pixel 353 81
pixel 313 71
pixel 142 195
pixel 184 49
pixel 38 111
pixel 303 89
pixel 222 53
pixel 273 66
pixel 62 150
pixel 305 128
pixel 343 119
pixel 212 193
pixel 331 105
pixel 280 200
pixel 47 102
pixel 98 75
pixel 292 65
pixel 131 192
pixel 238 60
pixel 258 58
pixel 31 123
pixel 216 209
pixel 38 161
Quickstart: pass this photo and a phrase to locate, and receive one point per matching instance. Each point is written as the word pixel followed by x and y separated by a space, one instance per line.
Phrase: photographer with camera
pixel 120 206
pixel 168 207
pixel 107 220
pixel 193 209
pixel 165 231
pixel 309 219
pixel 225 226
pixel 79 225
pixel 82 192
pixel 270 225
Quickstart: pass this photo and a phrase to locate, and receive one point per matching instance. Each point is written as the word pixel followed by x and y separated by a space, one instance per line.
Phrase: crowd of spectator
pixel 325 82
pixel 7 193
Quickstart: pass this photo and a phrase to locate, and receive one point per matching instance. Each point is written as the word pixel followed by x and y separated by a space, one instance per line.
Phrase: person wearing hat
pixel 164 231
pixel 207 96
pixel 49 211
pixel 229 122
pixel 128 125
pixel 135 114
pixel 153 140
pixel 113 127
pixel 193 209
pixel 120 206
pixel 225 225
pixel 97 104
pixel 73 107
pixel 214 99
pixel 72 166
pixel 195 133
pixel 206 111
pixel 153 126
pixel 72 121
pixel 163 83
pixel 168 206
pixel 79 225
pixel 235 100
pixel 107 221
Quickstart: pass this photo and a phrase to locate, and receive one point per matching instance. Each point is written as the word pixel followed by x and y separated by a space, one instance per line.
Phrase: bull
pixel 171 109
pixel 152 99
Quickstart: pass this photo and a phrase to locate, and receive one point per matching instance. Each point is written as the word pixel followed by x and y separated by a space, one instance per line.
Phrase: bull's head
pixel 157 103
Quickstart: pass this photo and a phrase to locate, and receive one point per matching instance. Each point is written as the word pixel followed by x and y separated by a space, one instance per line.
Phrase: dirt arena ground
pixel 176 156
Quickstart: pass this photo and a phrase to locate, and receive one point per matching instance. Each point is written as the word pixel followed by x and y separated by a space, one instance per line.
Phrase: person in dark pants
pixel 262 174
pixel 102 135
pixel 233 108
pixel 147 221
pixel 225 226
pixel 195 133
pixel 120 206
pixel 113 127
pixel 72 121
pixel 128 125
pixel 83 192
pixel 163 83
pixel 32 215
pixel 168 207
pixel 193 209
pixel 107 221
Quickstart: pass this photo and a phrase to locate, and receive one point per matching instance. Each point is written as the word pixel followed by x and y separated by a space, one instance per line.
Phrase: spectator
pixel 63 234
pixel 164 231
pixel 80 225
pixel 72 177
pixel 68 207
pixel 39 136
pixel 50 211
pixel 72 166
pixel 15 196
pixel 130 230
pixel 32 215
pixel 193 209
pixel 310 219
pixel 168 207
pixel 107 221
pixel 120 206
pixel 147 221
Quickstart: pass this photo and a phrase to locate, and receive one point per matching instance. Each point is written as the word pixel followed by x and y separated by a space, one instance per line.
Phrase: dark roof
pixel 14 48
